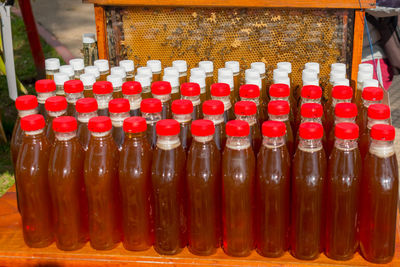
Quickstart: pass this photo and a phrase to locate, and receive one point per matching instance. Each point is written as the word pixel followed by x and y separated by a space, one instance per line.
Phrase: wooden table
pixel 13 251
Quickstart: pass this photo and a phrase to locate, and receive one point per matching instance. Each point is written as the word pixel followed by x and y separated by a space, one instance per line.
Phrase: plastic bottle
pixel 309 94
pixel 361 77
pixel 86 109
pixel 340 94
pixel 182 110
pixel 103 67
pixel 56 106
pixel 155 66
pixel 145 82
pixel 281 91
pixel 88 80
pixel 151 110
pixel 191 91
pixel 73 91
pixel 247 111
pixel 119 111
pixel 370 95
pixel 213 110
pixel 208 67
pixel 119 71
pixel 69 70
pixel 225 75
pixel 145 71
pixel 260 67
pixel 312 112
pixel 251 92
pixel 162 90
pixel 52 65
pixel 116 81
pixel 78 65
pixel 129 67
pixel 201 81
pixel 132 91
pixel 278 110
pixel 221 92
pixel 102 92
pixel 235 67
pixel 60 78
pixel 174 81
pixel 44 89
pixel 181 66
pixel 94 71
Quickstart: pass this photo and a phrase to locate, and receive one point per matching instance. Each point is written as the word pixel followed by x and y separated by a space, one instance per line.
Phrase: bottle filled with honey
pixel 201 81
pixel 60 78
pixel 181 66
pixel 103 67
pixel 116 81
pixel 102 92
pixel 119 111
pixel 145 71
pixel 33 185
pixel 169 192
pixel 145 82
pixel 238 191
pixel 208 67
pixel 221 92
pixel 151 110
pixel 273 191
pixel 102 186
pixel 280 91
pixel 203 190
pixel 162 90
pixel 225 76
pixel 340 94
pixel 155 66
pixel 171 75
pixel 343 193
pixel 278 110
pixel 251 92
pixel 260 68
pixel 78 65
pixel 73 92
pixel 247 111
pixel 44 89
pixel 56 106
pixel 129 67
pixel 380 185
pixel 191 91
pixel 182 110
pixel 213 110
pixel 308 175
pixel 370 95
pixel 67 186
pixel 86 109
pixel 88 80
pixel 52 66
pixel 234 66
pixel 135 186
pixel 133 92
pixel 308 94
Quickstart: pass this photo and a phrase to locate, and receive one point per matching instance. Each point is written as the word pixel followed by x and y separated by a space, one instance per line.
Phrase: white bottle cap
pixel 233 65
pixel 337 75
pixel 60 78
pixel 370 83
pixel 279 73
pixel 181 65
pixel 286 66
pixel 200 80
pixel 145 71
pixel 259 66
pixel 312 66
pixel 93 70
pixel 119 71
pixel 282 80
pixel 154 65
pixel 342 82
pixel 366 67
pixel 226 79
pixel 115 79
pixel 102 64
pixel 88 38
pixel 197 72
pixel 364 75
pixel 255 81
pixel 68 69
pixel 251 74
pixel 172 79
pixel 143 79
pixel 52 64
pixel 127 64
pixel 77 64
pixel 171 71
pixel 225 72
pixel 338 67
pixel 207 66
pixel 88 79
pixel 309 74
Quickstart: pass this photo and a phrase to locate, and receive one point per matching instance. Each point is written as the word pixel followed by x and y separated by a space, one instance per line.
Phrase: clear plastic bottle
pixel 44 89
pixel 308 175
pixel 103 92
pixel 132 91
pixel 182 110
pixel 69 70
pixel 252 76
pixel 145 71
pixel 155 66
pixel 67 186
pixel 129 67
pixel 208 67
pixel 162 90
pixel 225 75
pixel 60 78
pixel 309 94
pixel 86 109
pixel 278 110
pixel 135 186
pixel 119 71
pixel 361 77
pixel 273 191
pixel 88 80
pixel 116 81
pixel 151 110
pixel 203 190
pixel 238 191
pixel 334 77
pixel 247 111
pixel 340 94
pixel 221 92
pixel 251 92
pixel 52 66
pixel 370 95
pixel 234 66
pixel 174 81
pixel 191 91
pixel 102 186
pixel 181 66
pixel 103 67
pixel 213 110
pixel 56 106
pixel 94 71
pixel 73 91
pixel 379 206
pixel 119 111
pixel 201 81
pixel 260 67
pixel 145 82
pixel 32 183
pixel 169 192
pixel 280 91
pixel 78 65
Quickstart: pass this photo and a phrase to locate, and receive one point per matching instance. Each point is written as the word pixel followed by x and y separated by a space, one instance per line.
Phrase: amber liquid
pixel 102 190
pixel 49 129
pixel 308 174
pixel 103 112
pixel 136 112
pixel 229 115
pixel 156 77
pixel 50 76
pixel 42 111
pixel 175 96
pixel 135 186
pixel 168 183
pixel 83 135
pixel 71 111
pixel 103 75
pixel 209 82
pixel 238 201
pixel 290 143
pixel 342 203
pixel 273 201
pixel 204 201
pixel 185 135
pixel 33 191
pixel 118 135
pixel 151 134
pixel 378 208
pixel 220 136
pixel 362 119
pixel 255 137
pixel 16 141
pixel 197 114
pixel 182 79
pixel 364 143
pixel 67 188
pixel 117 94
pixel 236 86
pixel 166 112
pixel 88 93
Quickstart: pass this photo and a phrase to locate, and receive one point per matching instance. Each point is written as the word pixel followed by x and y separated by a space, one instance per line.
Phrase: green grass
pixel 26 73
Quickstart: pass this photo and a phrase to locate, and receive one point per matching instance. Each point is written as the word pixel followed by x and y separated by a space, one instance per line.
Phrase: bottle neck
pixel 85 117
pixel 65 136
pixel 102 100
pixel 281 98
pixel 225 100
pixel 346 145
pixel 340 119
pixel 182 118
pixel 367 103
pixel 151 118
pixel 117 88
pixel 163 98
pixel 101 134
pixel 117 119
pixel 318 120
pixel 382 149
pixel 251 119
pixel 135 137
pixel 195 99
pixel 238 143
pixel 72 98
pixel 216 119
pixel 23 113
pixel 310 145
pixel 42 97
pixel 372 122
pixel 56 114
pixel 278 117
pixel 255 100
pixel 273 142
pixel 34 134
pixel 336 101
pixel 309 100
pixel 134 101
pixel 203 139
pixel 168 142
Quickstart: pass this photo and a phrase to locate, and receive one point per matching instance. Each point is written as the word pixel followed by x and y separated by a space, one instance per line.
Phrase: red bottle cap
pixel 100 124
pixel 73 86
pixel 167 127
pixel 379 112
pixel 342 92
pixel 32 122
pixel 182 106
pixel 151 105
pixel 372 94
pixel 86 105
pixel 119 105
pixel 311 110
pixel 202 128
pixel 273 128
pixel 278 107
pixel 237 128
pixel 26 102
pixel 245 108
pixel 383 132
pixel 346 130
pixel 102 88
pixel 161 88
pixel 213 107
pixel 45 86
pixel 220 89
pixel 279 90
pixel 131 88
pixel 190 89
pixel 346 110
pixel 55 103
pixel 64 124
pixel 249 91
pixel 311 92
pixel 311 130
pixel 135 125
